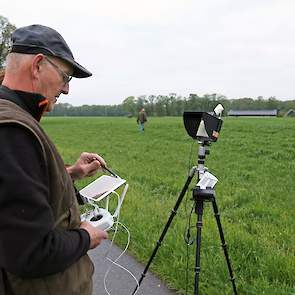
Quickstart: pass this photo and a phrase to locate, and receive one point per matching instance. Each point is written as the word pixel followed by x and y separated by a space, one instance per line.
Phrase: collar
pixel 33 103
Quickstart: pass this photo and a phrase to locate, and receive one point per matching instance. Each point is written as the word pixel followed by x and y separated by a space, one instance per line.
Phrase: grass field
pixel 254 160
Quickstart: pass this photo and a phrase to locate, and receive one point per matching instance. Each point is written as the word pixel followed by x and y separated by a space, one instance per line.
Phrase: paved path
pixel 118 281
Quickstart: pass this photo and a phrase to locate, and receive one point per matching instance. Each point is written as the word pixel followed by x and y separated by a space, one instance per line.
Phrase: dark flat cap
pixel 36 39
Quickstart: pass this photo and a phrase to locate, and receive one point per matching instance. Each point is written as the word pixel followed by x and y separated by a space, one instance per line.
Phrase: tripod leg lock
pixel 197 269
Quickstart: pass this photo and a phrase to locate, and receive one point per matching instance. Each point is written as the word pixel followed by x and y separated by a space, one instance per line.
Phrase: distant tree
pixel 129 105
pixel 160 107
pixel 179 106
pixel 245 103
pixel 273 103
pixel 171 102
pixel 141 101
pixel 192 102
pixel 65 109
pixel 6 28
pixel 150 107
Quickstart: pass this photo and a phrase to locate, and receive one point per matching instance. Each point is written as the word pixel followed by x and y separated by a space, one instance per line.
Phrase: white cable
pixel 116 227
pixel 126 247
pixel 114 262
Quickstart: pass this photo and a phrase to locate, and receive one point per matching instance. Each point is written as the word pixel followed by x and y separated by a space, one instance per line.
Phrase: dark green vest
pixel 77 279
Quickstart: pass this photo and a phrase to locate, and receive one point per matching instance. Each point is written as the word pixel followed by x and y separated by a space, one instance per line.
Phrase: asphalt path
pixel 119 281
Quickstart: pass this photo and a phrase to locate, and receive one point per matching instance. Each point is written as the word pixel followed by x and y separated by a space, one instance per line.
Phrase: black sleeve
pixel 29 244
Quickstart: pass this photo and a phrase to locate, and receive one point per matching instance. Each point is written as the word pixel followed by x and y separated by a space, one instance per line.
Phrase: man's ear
pixel 37 65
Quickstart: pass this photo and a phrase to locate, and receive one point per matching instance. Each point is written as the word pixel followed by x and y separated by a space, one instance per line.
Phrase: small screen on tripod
pixel 202 125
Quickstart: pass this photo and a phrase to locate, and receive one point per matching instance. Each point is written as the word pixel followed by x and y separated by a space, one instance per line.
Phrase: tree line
pixel 155 105
pixel 173 105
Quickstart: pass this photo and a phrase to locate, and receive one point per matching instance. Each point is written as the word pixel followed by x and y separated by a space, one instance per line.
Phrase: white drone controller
pixel 99 217
pixel 101 188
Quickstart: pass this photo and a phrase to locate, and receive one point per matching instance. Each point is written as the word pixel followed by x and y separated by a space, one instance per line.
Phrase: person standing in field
pixel 43 244
pixel 141 119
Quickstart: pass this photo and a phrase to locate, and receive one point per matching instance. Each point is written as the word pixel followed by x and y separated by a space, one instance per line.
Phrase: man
pixel 43 244
pixel 141 119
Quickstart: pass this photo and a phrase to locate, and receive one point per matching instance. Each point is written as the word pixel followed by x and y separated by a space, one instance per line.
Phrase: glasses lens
pixel 69 78
pixel 66 78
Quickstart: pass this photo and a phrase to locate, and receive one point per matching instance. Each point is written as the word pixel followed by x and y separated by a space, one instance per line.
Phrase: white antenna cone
pixel 202 130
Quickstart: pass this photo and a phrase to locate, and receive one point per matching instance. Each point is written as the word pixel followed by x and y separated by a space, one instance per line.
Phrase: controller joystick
pixel 100 218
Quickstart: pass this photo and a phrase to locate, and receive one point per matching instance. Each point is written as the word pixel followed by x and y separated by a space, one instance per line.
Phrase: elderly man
pixel 43 244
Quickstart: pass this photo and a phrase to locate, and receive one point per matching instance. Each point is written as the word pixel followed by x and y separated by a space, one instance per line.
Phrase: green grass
pixel 254 160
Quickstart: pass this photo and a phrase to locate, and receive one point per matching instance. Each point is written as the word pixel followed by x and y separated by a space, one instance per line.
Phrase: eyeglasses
pixel 66 78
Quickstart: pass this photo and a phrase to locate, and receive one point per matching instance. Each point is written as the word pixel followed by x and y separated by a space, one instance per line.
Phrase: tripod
pixel 200 195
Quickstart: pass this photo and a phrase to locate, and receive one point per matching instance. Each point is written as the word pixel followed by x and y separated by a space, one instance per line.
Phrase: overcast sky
pixel 238 48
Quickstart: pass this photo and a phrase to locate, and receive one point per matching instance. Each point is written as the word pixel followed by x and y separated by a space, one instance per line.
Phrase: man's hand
pixel 96 234
pixel 87 165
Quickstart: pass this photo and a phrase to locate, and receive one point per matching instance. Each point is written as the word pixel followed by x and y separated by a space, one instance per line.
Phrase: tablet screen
pixel 101 187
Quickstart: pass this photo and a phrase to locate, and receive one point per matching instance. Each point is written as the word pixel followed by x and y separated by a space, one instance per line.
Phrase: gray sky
pixel 135 47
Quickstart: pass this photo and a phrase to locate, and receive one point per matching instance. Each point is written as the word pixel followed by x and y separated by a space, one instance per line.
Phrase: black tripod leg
pixel 173 213
pixel 199 211
pixel 223 244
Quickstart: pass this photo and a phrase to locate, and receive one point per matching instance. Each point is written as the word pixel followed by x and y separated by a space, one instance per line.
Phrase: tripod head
pixel 204 189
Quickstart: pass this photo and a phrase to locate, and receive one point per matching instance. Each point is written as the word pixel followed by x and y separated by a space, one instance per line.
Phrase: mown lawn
pixel 254 160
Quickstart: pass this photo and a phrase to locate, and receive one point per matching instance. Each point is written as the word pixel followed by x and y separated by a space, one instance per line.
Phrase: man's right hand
pixel 96 235
pixel 87 165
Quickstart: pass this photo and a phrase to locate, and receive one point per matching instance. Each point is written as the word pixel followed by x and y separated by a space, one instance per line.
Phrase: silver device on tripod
pixel 203 127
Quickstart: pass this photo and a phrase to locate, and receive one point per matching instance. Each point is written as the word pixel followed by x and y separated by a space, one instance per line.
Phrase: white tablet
pixel 101 187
